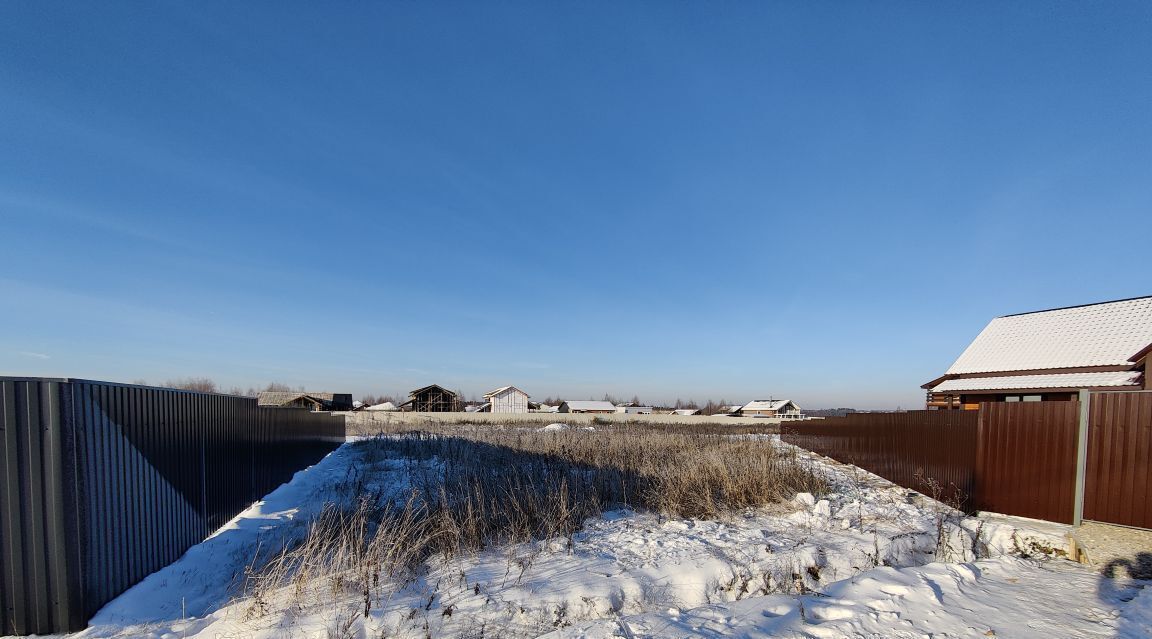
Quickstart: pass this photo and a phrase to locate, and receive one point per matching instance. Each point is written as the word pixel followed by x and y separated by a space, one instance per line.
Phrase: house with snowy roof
pixel 778 408
pixel 506 399
pixel 1050 356
pixel 588 406
pixel 306 399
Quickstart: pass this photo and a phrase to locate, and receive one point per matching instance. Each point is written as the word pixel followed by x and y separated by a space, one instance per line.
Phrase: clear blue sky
pixel 822 201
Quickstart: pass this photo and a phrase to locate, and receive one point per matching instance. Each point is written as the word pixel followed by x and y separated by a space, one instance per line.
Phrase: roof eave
pixel 1048 389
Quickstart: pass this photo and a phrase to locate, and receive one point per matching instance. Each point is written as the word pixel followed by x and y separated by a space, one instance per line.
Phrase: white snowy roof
pixel 1058 380
pixel 589 405
pixel 384 406
pixel 686 411
pixel 1104 334
pixel 501 390
pixel 766 404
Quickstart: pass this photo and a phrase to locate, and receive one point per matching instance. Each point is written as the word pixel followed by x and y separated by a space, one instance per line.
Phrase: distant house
pixel 386 406
pixel 309 400
pixel 1051 355
pixel 432 399
pixel 778 408
pixel 590 406
pixel 686 411
pixel 629 409
pixel 507 399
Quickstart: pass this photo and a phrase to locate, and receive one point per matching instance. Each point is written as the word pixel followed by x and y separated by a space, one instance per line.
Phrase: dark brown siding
pixel 1026 460
pixel 1016 458
pixel 906 448
pixel 1119 465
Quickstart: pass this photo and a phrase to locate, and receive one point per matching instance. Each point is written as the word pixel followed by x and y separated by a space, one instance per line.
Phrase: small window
pixel 1011 398
pixel 1032 398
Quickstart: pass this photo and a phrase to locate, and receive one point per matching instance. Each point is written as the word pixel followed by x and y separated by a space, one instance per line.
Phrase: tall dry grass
pixel 475 487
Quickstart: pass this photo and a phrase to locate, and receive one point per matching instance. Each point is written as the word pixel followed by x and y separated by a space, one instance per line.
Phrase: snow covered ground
pixel 869 559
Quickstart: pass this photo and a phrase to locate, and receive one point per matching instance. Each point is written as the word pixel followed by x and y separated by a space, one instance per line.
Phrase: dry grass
pixel 370 423
pixel 478 486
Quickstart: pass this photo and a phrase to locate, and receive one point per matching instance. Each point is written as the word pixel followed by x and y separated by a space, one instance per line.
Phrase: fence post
pixel 1081 458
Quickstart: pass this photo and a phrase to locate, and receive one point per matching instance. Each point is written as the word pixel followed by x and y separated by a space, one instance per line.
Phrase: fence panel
pixel 1119 466
pixel 1026 461
pixel 906 448
pixel 38 587
pixel 104 484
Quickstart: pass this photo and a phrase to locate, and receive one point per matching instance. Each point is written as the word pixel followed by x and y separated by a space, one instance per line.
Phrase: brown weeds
pixel 483 485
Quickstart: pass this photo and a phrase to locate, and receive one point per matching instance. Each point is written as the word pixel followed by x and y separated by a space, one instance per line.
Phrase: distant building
pixel 685 412
pixel 309 400
pixel 386 406
pixel 432 399
pixel 778 408
pixel 634 410
pixel 507 399
pixel 589 406
pixel 1050 356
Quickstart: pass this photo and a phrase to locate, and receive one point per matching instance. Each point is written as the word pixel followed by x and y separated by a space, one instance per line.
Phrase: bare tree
pixel 198 384
pixel 278 387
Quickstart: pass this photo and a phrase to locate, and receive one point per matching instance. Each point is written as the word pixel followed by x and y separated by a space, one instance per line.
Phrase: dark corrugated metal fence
pixel 105 483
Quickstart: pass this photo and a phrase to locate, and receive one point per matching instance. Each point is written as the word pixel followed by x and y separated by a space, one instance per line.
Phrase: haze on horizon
pixel 818 201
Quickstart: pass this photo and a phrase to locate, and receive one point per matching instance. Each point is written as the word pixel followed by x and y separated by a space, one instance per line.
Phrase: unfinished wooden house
pixel 432 399
pixel 1050 356
pixel 506 399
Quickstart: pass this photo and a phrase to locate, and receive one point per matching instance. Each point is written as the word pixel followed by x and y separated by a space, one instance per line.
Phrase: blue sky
pixel 823 201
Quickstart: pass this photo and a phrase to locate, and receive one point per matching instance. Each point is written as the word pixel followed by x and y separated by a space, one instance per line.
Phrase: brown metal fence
pixel 1026 459
pixel 908 449
pixel 105 483
pixel 1119 462
pixel 1016 458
